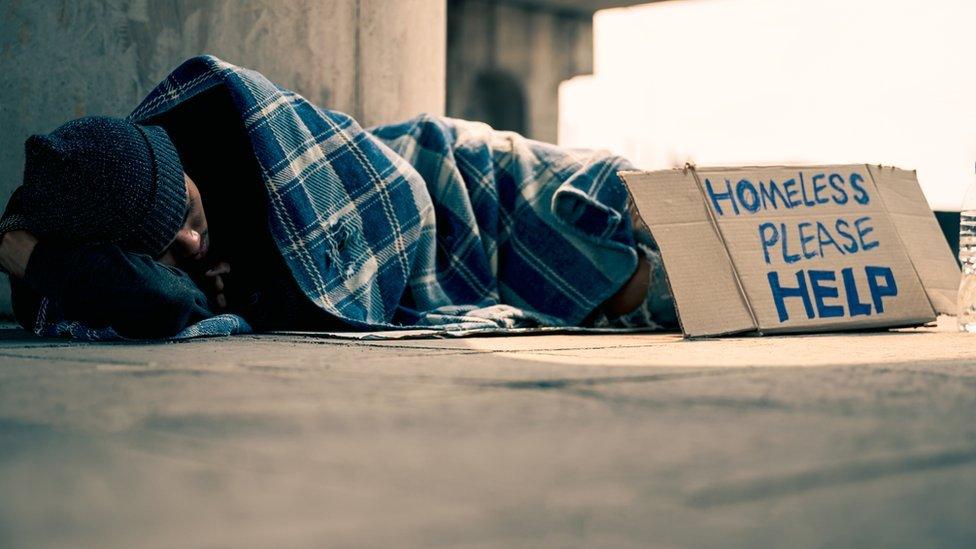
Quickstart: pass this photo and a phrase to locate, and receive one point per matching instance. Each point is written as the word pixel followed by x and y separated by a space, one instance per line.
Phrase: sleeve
pixel 13 218
pixel 26 303
pixel 103 286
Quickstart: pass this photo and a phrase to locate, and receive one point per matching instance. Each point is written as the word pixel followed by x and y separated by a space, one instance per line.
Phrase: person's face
pixel 189 248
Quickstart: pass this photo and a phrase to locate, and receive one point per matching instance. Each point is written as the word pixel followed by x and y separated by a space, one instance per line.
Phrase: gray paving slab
pixel 840 440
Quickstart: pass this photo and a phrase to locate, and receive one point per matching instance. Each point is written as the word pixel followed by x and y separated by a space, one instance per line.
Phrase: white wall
pixel 725 82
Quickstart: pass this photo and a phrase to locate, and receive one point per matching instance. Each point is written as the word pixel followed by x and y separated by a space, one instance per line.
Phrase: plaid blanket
pixel 429 222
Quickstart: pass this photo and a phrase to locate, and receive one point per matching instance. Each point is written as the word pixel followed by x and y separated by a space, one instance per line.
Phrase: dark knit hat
pixel 102 180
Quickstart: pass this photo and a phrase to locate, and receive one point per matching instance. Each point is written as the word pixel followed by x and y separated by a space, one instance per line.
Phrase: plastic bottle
pixel 967 256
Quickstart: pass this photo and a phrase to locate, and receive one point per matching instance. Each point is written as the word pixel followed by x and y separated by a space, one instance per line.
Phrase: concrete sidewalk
pixel 563 441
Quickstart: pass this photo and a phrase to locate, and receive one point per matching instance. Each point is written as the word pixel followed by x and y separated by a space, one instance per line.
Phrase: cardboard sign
pixel 797 249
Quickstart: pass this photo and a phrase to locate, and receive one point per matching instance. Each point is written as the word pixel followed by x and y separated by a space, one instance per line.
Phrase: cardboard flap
pixel 700 273
pixel 780 249
pixel 796 232
pixel 920 234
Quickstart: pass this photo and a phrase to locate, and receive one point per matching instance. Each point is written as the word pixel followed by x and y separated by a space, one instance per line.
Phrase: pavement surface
pixel 856 440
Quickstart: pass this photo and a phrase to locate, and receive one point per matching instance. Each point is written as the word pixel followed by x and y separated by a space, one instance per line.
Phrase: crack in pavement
pixel 836 475
pixel 737 404
pixel 565 383
pixel 82 360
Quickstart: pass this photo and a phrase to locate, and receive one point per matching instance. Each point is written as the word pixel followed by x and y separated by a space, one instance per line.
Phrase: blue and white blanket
pixel 432 222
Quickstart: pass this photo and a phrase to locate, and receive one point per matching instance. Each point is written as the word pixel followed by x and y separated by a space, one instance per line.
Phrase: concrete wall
pixel 379 60
pixel 535 45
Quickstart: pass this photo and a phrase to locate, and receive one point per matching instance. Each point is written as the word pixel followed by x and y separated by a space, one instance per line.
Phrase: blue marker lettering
pixel 780 294
pixel 769 194
pixel 854 305
pixel 787 256
pixel 748 195
pixel 824 237
pixel 768 236
pixel 878 291
pixel 791 192
pixel 803 191
pixel 817 188
pixel 804 238
pixel 727 195
pixel 852 246
pixel 860 193
pixel 820 292
pixel 863 231
pixel 837 182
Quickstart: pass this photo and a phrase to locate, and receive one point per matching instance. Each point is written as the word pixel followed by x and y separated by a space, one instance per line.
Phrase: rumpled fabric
pixel 431 222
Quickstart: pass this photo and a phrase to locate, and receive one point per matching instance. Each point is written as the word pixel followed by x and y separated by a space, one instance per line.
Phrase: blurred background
pixel 715 82
pixel 732 82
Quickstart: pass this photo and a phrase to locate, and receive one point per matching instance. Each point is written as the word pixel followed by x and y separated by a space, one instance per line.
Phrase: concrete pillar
pixel 379 60
pixel 530 42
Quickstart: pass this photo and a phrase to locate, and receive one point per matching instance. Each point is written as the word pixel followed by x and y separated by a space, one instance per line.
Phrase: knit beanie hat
pixel 102 180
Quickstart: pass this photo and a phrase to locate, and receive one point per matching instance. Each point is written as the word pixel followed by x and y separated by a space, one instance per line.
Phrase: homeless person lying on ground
pixel 225 204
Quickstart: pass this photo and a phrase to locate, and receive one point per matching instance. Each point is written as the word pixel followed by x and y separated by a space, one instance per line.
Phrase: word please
pixel 823 286
pixel 807 240
pixel 800 192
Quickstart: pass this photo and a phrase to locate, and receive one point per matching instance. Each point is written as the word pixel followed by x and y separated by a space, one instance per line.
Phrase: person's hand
pixel 215 278
pixel 16 248
pixel 632 294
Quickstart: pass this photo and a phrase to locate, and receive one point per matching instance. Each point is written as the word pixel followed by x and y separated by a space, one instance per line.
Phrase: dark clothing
pixel 103 286
pixel 101 179
pixel 139 297
pixel 216 153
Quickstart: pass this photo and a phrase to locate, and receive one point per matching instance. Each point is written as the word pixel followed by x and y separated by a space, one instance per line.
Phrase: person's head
pixel 192 240
pixel 109 180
